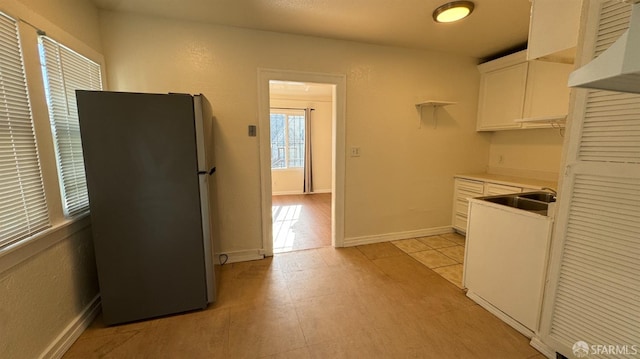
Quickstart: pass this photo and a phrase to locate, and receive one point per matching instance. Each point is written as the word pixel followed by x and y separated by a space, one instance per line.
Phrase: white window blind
pixel 64 72
pixel 23 208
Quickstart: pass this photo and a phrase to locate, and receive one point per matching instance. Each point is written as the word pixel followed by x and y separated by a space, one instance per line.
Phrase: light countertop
pixel 509 180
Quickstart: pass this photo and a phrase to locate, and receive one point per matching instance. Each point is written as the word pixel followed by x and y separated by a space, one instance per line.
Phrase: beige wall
pixel 47 284
pixel 403 179
pixel 44 295
pixel 526 153
pixel 77 17
pixel 290 180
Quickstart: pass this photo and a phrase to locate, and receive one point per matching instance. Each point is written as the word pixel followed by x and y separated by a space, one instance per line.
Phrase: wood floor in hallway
pixel 301 222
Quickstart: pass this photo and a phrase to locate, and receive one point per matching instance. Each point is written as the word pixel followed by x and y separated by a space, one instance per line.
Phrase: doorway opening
pixel 302 160
pixel 301 122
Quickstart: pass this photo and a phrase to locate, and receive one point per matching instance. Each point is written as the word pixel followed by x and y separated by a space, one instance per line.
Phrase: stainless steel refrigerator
pixel 148 165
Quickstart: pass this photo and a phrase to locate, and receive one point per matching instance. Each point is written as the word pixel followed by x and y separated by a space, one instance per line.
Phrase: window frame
pixel 287 114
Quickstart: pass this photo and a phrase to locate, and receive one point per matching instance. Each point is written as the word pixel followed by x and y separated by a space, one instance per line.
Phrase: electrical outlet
pixel 355 151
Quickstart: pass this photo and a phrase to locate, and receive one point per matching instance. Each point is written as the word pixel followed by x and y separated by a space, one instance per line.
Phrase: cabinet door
pixel 501 101
pixel 553 28
pixel 547 93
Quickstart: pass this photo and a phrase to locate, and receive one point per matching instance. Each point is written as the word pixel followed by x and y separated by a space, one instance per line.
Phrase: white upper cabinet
pixel 553 29
pixel 502 92
pixel 547 93
pixel 516 93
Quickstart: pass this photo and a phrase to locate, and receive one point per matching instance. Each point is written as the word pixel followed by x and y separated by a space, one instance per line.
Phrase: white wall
pixel 403 179
pixel 290 180
pixel 49 284
pixel 526 153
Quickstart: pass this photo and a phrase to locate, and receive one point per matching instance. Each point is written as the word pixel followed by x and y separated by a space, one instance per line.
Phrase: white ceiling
pixel 494 26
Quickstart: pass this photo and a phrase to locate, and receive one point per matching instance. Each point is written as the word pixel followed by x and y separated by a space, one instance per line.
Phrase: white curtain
pixel 308 175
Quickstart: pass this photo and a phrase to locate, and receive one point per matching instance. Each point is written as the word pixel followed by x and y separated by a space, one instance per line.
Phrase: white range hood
pixel 617 68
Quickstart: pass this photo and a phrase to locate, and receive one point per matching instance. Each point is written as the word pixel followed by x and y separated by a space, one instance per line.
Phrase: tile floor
pixel 373 301
pixel 444 254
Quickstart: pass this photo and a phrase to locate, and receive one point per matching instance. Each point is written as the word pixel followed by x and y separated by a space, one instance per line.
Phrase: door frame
pixel 337 149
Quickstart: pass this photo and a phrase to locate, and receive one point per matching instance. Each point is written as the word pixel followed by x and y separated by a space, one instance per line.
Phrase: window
pixel 65 71
pixel 287 139
pixel 23 208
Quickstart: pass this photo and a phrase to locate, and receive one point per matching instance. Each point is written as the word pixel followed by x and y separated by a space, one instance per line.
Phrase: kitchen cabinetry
pixel 515 93
pixel 478 185
pixel 553 29
pixel 463 190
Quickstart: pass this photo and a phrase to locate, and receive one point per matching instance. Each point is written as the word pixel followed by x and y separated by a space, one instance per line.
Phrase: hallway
pixel 301 222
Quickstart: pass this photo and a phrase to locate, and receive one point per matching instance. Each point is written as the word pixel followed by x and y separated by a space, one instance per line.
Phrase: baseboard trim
pixel 543 348
pixel 500 314
pixel 328 190
pixel 240 256
pixel 70 334
pixel 257 254
pixel 387 237
pixel 288 193
pixel 285 193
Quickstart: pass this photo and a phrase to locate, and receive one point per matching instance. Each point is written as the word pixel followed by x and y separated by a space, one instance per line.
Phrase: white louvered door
pixel 593 288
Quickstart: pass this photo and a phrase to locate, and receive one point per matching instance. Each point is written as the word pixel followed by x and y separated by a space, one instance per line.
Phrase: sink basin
pixel 520 203
pixel 539 196
pixel 536 202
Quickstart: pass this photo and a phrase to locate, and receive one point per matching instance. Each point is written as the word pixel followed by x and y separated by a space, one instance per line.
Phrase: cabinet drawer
pixel 465 195
pixel 491 189
pixel 460 223
pixel 462 207
pixel 472 187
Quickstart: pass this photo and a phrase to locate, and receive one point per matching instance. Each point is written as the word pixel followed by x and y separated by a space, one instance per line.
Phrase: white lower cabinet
pixel 464 189
pixel 505 261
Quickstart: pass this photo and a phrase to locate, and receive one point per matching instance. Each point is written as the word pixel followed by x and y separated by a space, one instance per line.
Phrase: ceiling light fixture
pixel 453 11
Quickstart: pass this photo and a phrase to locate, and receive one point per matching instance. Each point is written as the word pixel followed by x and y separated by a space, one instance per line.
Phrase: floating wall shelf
pixel 434 106
pixel 557 121
pixel 545 119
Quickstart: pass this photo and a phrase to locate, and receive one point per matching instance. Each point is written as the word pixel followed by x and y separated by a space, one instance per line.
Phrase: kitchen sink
pixel 539 196
pixel 536 202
